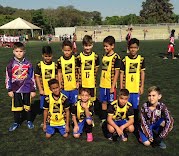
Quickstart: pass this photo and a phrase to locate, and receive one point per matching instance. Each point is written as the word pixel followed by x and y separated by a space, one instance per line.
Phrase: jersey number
pixel 69 78
pixel 87 74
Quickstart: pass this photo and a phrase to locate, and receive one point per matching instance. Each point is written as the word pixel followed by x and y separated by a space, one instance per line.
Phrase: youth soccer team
pixel 67 91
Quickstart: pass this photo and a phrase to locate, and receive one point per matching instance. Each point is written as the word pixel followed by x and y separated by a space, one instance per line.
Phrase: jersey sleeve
pixel 56 70
pixel 117 62
pixel 97 62
pixel 130 112
pixel 46 103
pixel 9 77
pixel 58 64
pixel 74 110
pixel 31 76
pixel 66 104
pixel 78 61
pixel 142 63
pixel 110 110
pixel 38 70
pixel 122 65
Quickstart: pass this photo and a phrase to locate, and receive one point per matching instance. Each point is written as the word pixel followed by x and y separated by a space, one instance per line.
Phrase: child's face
pixel 107 47
pixel 154 97
pixel 123 100
pixel 47 58
pixel 55 88
pixel 133 49
pixel 85 96
pixel 88 48
pixel 19 53
pixel 67 51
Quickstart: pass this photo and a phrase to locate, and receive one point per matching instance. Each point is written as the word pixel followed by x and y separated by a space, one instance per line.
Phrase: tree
pixel 157 11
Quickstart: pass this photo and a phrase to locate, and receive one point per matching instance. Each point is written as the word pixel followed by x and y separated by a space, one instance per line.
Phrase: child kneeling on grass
pixel 82 113
pixel 120 116
pixel 156 121
pixel 56 104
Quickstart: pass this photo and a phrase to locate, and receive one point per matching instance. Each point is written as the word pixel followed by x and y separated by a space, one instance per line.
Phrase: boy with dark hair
pixel 67 73
pixel 21 86
pixel 82 113
pixel 132 76
pixel 121 116
pixel 156 121
pixel 45 70
pixel 109 75
pixel 88 64
pixel 56 111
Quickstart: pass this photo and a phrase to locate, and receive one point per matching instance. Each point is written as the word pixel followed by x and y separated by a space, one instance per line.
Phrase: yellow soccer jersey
pixel 132 69
pixel 56 109
pixel 69 72
pixel 80 112
pixel 46 72
pixel 120 113
pixel 109 65
pixel 87 65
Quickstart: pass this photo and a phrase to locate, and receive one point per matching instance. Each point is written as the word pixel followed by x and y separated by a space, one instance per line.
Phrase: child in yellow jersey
pixel 121 116
pixel 132 76
pixel 88 64
pixel 67 73
pixel 56 111
pixel 45 70
pixel 109 75
pixel 82 113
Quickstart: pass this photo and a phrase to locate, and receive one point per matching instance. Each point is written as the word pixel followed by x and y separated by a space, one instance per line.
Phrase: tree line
pixel 152 12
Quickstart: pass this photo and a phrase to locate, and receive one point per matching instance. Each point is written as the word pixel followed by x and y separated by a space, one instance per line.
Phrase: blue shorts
pixel 106 96
pixel 154 126
pixel 51 129
pixel 42 100
pixel 72 96
pixel 81 125
pixel 120 122
pixel 134 100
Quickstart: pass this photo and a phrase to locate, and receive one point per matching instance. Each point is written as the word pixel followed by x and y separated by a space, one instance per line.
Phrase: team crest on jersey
pixel 20 72
pixel 133 67
pixel 105 65
pixel 68 68
pixel 88 65
pixel 48 73
pixel 56 108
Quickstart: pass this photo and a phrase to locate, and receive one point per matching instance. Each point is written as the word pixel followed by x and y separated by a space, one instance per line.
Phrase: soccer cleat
pixel 89 137
pixel 13 127
pixel 30 125
pixel 162 145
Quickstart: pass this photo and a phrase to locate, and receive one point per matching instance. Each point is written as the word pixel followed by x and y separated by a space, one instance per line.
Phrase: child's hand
pixel 32 94
pixel 122 128
pixel 76 129
pixel 11 94
pixel 44 127
pixel 112 90
pixel 77 85
pixel 67 129
pixel 119 132
pixel 151 139
pixel 41 92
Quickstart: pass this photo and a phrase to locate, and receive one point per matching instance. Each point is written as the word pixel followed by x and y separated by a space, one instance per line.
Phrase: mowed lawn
pixel 163 73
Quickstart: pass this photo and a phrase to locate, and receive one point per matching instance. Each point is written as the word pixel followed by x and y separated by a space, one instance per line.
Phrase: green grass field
pixel 164 73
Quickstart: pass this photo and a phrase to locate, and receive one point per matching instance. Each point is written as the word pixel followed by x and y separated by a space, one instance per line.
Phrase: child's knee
pixel 131 128
pixel 110 128
pixel 146 143
pixel 48 135
pixel 76 135
pixel 162 124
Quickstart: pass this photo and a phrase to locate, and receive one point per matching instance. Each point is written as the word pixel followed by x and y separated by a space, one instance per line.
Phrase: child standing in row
pixel 67 73
pixel 20 84
pixel 109 75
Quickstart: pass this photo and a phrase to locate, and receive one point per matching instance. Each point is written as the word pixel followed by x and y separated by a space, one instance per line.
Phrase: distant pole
pixel 32 33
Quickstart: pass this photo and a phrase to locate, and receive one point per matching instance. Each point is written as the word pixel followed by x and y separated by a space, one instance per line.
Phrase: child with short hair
pixel 45 70
pixel 21 86
pixel 109 75
pixel 121 116
pixel 82 113
pixel 67 73
pixel 132 76
pixel 88 64
pixel 56 111
pixel 156 121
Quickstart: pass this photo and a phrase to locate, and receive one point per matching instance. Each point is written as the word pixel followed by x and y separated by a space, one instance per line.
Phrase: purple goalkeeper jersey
pixel 20 76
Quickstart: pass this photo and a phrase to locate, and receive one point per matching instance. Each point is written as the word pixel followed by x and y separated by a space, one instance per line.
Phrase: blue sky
pixel 106 7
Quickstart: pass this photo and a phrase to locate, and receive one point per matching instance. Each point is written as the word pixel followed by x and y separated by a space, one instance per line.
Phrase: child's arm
pixel 122 69
pixel 127 124
pixel 112 123
pixel 9 80
pixel 37 78
pixel 74 118
pixel 60 76
pixel 142 81
pixel 97 63
pixel 67 120
pixel 45 119
pixel 114 80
